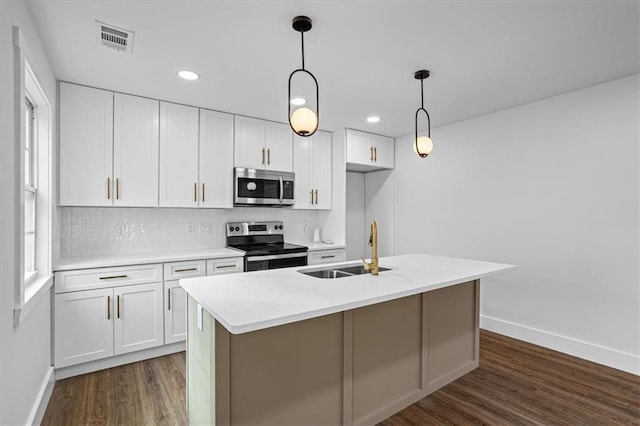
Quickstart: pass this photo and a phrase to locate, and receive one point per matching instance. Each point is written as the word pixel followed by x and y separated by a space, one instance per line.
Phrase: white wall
pixel 379 189
pixel 553 188
pixel 356 219
pixel 25 352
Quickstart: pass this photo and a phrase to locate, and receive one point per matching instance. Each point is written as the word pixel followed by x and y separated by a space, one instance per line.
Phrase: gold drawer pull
pixel 113 277
pixel 225 266
pixel 186 270
pixel 328 257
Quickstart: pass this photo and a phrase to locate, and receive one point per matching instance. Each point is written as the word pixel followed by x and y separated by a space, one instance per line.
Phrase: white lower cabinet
pixel 175 316
pixel 138 323
pixel 83 326
pixel 318 257
pixel 94 324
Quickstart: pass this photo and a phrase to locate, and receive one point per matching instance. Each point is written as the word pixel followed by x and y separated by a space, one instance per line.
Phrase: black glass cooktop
pixel 269 248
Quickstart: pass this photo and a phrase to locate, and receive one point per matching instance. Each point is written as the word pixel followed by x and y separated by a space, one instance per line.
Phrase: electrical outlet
pixel 205 228
pixel 191 228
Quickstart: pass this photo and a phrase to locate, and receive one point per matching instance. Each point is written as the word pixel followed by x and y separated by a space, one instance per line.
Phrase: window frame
pixel 31 288
pixel 31 184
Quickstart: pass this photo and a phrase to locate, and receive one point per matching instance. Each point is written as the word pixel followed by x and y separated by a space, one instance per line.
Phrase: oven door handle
pixel 281 189
pixel 276 256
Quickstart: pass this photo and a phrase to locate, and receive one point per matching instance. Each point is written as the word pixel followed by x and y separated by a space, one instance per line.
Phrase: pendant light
pixel 422 144
pixel 303 120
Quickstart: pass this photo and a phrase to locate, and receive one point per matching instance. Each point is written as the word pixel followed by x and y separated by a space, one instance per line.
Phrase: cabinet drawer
pixel 86 279
pixel 228 265
pixel 326 256
pixel 190 268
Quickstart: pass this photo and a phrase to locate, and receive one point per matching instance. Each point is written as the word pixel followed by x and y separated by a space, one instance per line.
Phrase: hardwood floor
pixel 150 392
pixel 516 383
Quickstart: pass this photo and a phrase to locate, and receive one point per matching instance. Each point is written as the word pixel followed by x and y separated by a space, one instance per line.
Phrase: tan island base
pixel 356 367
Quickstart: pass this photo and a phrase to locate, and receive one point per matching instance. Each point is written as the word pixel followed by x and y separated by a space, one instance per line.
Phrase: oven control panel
pixel 235 229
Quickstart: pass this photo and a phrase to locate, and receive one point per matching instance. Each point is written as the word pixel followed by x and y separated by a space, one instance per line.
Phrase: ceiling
pixel 484 56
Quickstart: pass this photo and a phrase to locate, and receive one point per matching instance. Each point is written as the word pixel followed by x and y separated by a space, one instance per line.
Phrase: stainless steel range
pixel 264 246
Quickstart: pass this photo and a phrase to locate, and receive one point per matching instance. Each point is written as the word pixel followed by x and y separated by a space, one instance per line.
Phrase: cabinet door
pixel 249 149
pixel 279 144
pixel 83 324
pixel 86 143
pixel 178 155
pixel 138 321
pixel 216 159
pixel 321 168
pixel 175 314
pixel 359 147
pixel 384 151
pixel 135 151
pixel 302 162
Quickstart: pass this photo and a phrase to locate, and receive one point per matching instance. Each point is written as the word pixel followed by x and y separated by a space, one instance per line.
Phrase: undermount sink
pixel 339 272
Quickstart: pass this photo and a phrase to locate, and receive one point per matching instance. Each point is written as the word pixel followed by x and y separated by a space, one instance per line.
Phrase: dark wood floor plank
pixel 517 383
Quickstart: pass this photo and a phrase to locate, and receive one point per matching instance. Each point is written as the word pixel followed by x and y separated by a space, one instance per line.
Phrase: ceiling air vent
pixel 114 37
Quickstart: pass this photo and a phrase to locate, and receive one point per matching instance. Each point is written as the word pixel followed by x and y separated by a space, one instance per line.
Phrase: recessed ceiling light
pixel 298 101
pixel 188 75
pixel 373 119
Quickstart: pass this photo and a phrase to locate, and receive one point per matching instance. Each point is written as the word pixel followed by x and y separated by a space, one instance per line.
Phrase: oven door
pixel 276 261
pixel 263 187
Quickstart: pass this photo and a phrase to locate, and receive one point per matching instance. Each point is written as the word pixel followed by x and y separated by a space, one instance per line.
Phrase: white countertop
pixel 262 299
pixel 84 262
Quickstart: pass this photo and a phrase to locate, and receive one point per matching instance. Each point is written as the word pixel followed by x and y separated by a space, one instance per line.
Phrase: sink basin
pixel 359 269
pixel 339 272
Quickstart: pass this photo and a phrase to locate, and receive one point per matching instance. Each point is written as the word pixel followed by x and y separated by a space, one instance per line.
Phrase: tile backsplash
pixel 96 231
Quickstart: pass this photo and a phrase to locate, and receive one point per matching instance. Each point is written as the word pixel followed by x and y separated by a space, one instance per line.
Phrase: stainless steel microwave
pixel 255 187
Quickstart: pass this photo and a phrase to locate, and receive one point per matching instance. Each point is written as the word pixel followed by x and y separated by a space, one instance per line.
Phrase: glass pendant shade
pixel 423 146
pixel 303 120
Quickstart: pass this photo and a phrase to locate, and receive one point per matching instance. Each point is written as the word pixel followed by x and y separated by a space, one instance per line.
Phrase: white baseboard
pixel 42 399
pixel 599 354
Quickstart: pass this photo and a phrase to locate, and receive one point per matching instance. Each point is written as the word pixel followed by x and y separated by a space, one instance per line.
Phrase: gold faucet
pixel 373 242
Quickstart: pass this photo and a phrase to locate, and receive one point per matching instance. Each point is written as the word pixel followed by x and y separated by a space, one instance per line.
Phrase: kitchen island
pixel 281 347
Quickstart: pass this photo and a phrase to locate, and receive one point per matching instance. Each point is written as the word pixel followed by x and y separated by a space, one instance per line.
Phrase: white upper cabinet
pixel 279 145
pixel 312 166
pixel 216 159
pixel 178 155
pixel 263 145
pixel 135 150
pixel 86 144
pixel 367 151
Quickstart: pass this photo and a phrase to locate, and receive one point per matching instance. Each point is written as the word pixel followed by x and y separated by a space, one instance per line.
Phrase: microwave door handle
pixel 281 189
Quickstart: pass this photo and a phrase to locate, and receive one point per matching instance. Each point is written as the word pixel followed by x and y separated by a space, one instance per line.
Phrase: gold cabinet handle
pixel 316 197
pixel 113 277
pixel 268 156
pixel 168 299
pixel 375 154
pixel 371 153
pixel 117 188
pixel 108 188
pixel 109 307
pixel 203 192
pixel 118 306
pixel 186 270
pixel 263 156
pixel 195 192
pixel 225 266
pixel 312 196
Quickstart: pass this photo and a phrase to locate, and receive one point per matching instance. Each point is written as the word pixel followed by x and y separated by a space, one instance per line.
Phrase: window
pixel 34 208
pixel 30 190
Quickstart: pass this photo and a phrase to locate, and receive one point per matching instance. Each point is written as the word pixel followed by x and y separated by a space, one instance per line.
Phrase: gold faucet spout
pixel 373 242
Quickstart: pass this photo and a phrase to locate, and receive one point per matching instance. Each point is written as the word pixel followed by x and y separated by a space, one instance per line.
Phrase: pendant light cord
pixel 421 91
pixel 302 37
